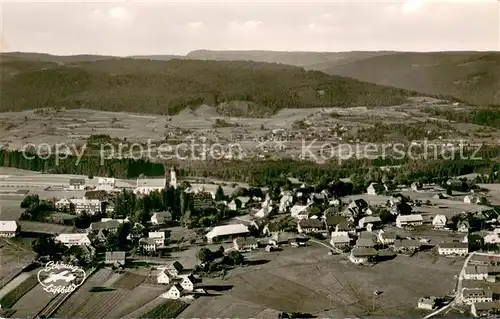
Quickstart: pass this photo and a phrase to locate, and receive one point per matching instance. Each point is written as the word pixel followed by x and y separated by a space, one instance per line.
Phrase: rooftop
pixel 227 230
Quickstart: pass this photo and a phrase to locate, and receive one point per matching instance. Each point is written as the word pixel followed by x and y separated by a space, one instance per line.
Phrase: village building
pixel 439 221
pixel 77 184
pixel 299 212
pixel 362 255
pixel 375 189
pixel 413 220
pixel 386 238
pixel 481 309
pixel 285 202
pixel 73 239
pixel 245 244
pixel 174 292
pixel 416 186
pixel 106 184
pixel 173 268
pixel 369 220
pixel 492 237
pixel 158 237
pixel 453 248
pixel 340 239
pixel 406 245
pixel 333 221
pixel 476 295
pixel 357 207
pixel 476 272
pixel 282 238
pixel 471 199
pixel 8 228
pixel 227 231
pixel 310 226
pixel 110 226
pixel 202 200
pixel 160 218
pixel 89 206
pixel 463 226
pixel 115 258
pixel 188 283
pixel 163 277
pixel 426 303
pixel 148 244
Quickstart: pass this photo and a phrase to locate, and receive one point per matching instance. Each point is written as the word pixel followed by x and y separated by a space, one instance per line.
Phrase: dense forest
pixel 264 173
pixel 166 87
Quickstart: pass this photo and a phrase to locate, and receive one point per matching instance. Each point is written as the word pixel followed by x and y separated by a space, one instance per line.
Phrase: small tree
pixel 204 255
pixel 219 194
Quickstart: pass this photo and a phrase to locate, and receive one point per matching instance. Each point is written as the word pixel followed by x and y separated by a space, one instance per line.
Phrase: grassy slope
pixel 165 87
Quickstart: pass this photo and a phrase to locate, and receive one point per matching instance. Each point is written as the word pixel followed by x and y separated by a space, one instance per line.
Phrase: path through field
pixel 11 285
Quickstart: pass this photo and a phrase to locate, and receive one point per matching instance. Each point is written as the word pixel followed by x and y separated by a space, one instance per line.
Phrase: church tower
pixel 173 177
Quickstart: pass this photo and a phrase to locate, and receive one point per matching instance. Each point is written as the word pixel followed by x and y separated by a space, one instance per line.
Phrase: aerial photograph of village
pixel 239 159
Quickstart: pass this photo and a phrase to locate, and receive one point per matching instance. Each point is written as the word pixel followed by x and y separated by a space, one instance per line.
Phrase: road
pixel 330 247
pixel 458 292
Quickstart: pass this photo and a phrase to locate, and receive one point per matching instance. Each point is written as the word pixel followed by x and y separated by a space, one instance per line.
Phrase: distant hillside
pixel 302 59
pixel 43 57
pixel 471 76
pixel 156 57
pixel 166 87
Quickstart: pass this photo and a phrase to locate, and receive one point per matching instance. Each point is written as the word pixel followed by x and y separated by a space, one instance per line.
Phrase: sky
pixel 176 27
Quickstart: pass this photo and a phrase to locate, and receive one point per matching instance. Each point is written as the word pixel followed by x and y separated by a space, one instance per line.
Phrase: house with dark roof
pixel 76 184
pixel 335 220
pixel 310 226
pixel 360 255
pixel 406 245
pixel 160 218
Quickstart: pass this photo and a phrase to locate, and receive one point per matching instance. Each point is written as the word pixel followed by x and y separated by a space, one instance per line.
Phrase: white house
pixel 73 239
pixel 245 244
pixel 174 292
pixel 62 204
pixel 163 277
pixel 476 295
pixel 90 206
pixel 148 244
pixel 77 184
pixel 375 189
pixel 106 184
pixel 8 228
pixel 453 248
pixel 427 303
pixel 463 226
pixel 158 237
pixel 146 190
pixel 159 218
pixel 476 272
pixel 386 238
pixel 409 220
pixel 299 212
pixel 225 231
pixel 188 283
pixel 310 226
pixel 471 199
pixel 493 237
pixel 439 221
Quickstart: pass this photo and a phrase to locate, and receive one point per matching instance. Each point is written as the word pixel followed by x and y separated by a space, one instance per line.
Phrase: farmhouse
pixel 203 200
pixel 148 244
pixel 174 292
pixel 227 231
pixel 280 238
pixel 8 228
pixel 484 308
pixel 174 268
pixel 375 189
pixel 439 221
pixel 245 244
pixel 90 206
pixel 357 206
pixel 285 202
pixel 365 239
pixel 333 221
pixel 476 295
pixel 403 221
pixel 73 239
pixel 110 225
pixel 427 303
pixel 493 237
pixel 369 220
pixel 158 237
pixel 115 257
pixel 406 245
pixel 471 199
pixel 340 239
pixel 475 272
pixel 163 277
pixel 146 190
pixel 415 186
pixel 188 283
pixel 463 226
pixel 299 212
pixel 62 204
pixel 386 238
pixel 160 218
pixel 453 248
pixel 76 184
pixel 310 226
pixel 362 255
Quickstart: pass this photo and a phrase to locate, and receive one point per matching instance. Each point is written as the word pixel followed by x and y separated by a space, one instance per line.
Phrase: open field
pixel 12 260
pixel 309 280
pixel 29 226
pixel 115 303
pixel 32 302
pixel 11 298
pixel 168 309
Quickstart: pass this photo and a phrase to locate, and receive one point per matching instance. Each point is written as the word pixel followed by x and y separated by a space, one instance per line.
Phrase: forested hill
pixel 166 87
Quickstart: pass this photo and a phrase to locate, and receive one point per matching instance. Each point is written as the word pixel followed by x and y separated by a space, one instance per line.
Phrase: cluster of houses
pixel 181 283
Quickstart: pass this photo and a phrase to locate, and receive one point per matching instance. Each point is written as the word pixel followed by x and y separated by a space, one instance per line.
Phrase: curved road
pixel 458 292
